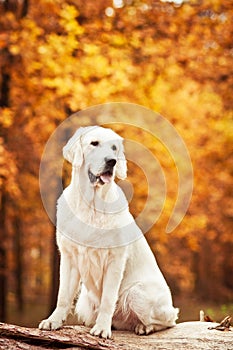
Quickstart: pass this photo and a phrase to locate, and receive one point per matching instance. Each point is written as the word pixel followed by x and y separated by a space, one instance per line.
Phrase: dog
pixel 103 251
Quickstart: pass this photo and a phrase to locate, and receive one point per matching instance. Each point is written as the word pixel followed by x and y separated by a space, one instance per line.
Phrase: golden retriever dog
pixel 103 251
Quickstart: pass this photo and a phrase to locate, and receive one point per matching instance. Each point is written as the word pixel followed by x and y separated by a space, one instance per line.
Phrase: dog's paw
pixel 101 331
pixel 50 324
pixel 141 329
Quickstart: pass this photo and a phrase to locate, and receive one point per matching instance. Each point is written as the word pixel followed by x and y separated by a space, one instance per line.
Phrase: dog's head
pixel 99 151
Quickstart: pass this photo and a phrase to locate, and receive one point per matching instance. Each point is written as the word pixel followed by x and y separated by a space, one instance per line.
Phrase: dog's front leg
pixel 69 282
pixel 111 284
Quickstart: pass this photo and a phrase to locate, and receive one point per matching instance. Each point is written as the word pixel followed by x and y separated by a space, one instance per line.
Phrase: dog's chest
pixel 102 219
pixel 92 264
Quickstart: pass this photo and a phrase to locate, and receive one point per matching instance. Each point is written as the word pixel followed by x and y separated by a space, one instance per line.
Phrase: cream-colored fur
pixel 102 249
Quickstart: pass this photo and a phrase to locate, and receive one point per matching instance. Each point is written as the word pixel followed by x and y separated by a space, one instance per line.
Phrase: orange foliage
pixel 64 56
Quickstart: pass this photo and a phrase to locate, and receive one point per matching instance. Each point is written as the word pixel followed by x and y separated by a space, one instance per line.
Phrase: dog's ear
pixel 72 151
pixel 121 165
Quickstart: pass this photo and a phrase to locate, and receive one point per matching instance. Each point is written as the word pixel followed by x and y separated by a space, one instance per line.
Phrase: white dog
pixel 102 249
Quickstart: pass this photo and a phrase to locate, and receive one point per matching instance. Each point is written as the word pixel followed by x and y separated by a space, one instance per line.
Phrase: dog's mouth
pixel 103 178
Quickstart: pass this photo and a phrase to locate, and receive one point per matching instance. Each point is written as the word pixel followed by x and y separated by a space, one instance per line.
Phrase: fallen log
pixel 185 336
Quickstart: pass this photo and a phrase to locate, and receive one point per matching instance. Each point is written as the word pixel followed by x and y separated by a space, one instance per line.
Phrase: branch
pixel 187 335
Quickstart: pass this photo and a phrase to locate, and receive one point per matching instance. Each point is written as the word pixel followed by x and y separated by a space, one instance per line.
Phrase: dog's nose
pixel 110 162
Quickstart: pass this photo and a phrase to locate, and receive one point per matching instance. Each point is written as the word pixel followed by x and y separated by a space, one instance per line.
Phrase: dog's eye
pixel 114 148
pixel 95 143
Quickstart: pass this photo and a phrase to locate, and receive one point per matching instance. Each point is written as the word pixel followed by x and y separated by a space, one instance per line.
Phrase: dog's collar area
pixel 102 178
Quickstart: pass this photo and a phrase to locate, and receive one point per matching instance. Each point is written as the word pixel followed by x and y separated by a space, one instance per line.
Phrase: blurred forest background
pixel 174 57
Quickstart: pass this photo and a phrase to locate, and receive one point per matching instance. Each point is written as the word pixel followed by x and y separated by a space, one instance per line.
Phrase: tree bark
pixel 19 263
pixel 18 7
pixel 3 258
pixel 4 102
pixel 187 335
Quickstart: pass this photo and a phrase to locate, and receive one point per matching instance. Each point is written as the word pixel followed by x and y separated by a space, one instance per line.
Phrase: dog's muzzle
pixel 104 177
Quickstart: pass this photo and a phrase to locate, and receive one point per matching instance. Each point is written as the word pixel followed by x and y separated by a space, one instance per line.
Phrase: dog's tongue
pixel 106 178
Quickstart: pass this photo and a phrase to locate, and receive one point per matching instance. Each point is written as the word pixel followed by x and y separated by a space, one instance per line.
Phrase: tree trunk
pixel 4 95
pixel 19 8
pixel 3 274
pixel 204 276
pixel 187 335
pixel 4 102
pixel 18 269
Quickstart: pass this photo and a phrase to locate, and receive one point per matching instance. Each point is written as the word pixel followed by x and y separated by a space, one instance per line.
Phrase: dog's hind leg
pixel 154 313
